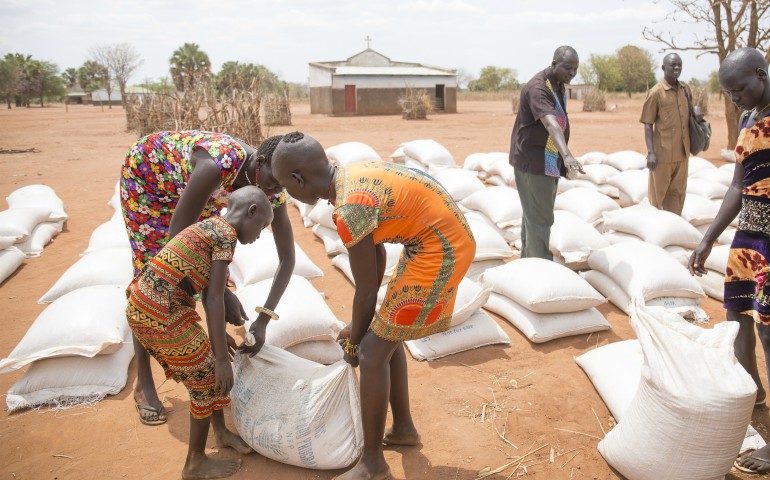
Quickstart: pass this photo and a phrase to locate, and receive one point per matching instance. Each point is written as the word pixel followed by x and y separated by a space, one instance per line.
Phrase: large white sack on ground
pixel 498 181
pixel 586 204
pixel 542 286
pixel 509 233
pixel 324 352
pixel 259 260
pixel 728 167
pixel 10 259
pixel 295 411
pixel 489 243
pixel 632 185
pixel 654 226
pixel 502 205
pixel 342 263
pixel 645 271
pixel 398 155
pixel 478 331
pixel 698 164
pixel 626 160
pixel 680 254
pixel 727 236
pixel 706 188
pixel 331 240
pixel 699 210
pixel 618 237
pixel 303 209
pixel 89 321
pixel 542 327
pixel 470 298
pixel 40 197
pixel 504 170
pixel 427 152
pixel 713 283
pixel 598 174
pixel 414 164
pixel 458 182
pixel 477 268
pixel 7 242
pixel 716 175
pixel 109 266
pixel 609 190
pixel 728 155
pixel 41 236
pixel 304 315
pixel 65 382
pixel 614 370
pixel 473 161
pixel 322 214
pixel 592 158
pixel 608 288
pixel 717 259
pixel 573 239
pixel 19 222
pixel 351 152
pixel 566 184
pixel 688 418
pixel 393 255
pixel 110 234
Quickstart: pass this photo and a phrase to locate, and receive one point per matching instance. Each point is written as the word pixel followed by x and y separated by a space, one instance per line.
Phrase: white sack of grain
pixel 478 331
pixel 109 266
pixel 351 152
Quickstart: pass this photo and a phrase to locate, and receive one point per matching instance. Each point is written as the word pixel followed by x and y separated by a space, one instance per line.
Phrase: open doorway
pixel 439 98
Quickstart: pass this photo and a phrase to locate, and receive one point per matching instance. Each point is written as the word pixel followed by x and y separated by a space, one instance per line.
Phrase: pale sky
pixel 285 35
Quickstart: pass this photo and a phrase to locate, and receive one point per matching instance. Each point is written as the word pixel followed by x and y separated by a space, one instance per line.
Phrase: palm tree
pixel 24 91
pixel 70 77
pixel 188 62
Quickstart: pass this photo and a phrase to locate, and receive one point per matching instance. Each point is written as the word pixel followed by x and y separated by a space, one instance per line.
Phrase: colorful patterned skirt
pixel 176 340
pixel 746 269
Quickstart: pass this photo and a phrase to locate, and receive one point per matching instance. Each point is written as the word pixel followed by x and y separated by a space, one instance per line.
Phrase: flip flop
pixel 743 469
pixel 159 414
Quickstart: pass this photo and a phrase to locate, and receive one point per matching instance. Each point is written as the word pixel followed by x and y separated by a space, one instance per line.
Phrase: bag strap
pixel 687 95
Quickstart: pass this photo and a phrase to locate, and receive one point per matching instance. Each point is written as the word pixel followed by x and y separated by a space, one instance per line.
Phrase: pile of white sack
pixel 35 215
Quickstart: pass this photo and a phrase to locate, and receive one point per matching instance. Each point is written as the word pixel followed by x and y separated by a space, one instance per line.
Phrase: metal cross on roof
pixel 367 40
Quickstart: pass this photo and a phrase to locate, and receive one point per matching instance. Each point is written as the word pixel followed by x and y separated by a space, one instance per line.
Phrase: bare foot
pixel 364 471
pixel 205 467
pixel 231 440
pixel 407 438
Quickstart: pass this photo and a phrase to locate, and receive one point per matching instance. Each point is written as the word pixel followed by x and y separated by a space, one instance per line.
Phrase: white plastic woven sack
pixel 10 260
pixel 507 233
pixel 473 162
pixel 322 214
pixel 717 259
pixel 39 197
pixel 542 286
pixel 304 315
pixel 626 160
pixel 566 184
pixel 296 411
pixel 87 322
pixel 458 182
pixel 427 152
pixel 713 283
pixel 618 237
pixel 259 260
pixel 478 331
pixel 19 222
pixel 715 175
pixel 398 156
pixel 586 204
pixel 331 240
pixel 489 243
pixel 503 169
pixel 726 237
pixel 41 236
pixel 699 210
pixel 654 226
pixel 7 242
pixel 342 263
pixel 645 271
pixel 608 288
pixel 351 152
pixel 502 205
pixel 573 239
pixel 542 327
pixel 324 352
pixel 110 234
pixel 614 370
pixel 609 190
pixel 728 155
pixel 632 185
pixel 496 181
pixel 706 188
pixel 393 254
pixel 698 164
pixel 110 266
pixel 64 382
pixel 598 173
pixel 592 158
pixel 414 164
pixel 477 268
pixel 688 418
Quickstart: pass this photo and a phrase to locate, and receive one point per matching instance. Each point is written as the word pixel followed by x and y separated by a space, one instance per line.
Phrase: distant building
pixel 75 95
pixel 578 91
pixel 369 83
pixel 99 97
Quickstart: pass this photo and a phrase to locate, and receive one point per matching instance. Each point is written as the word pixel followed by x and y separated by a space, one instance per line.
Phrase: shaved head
pixel 244 197
pixel 671 57
pixel 743 76
pixel 745 60
pixel 300 165
pixel 563 53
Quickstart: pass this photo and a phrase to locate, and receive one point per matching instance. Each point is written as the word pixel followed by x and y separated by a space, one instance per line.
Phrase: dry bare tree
pixel 121 61
pixel 732 24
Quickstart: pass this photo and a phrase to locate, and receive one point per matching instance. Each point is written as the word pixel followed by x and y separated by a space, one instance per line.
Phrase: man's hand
pixel 697 262
pixel 234 312
pixel 223 374
pixel 573 166
pixel 258 329
pixel 652 161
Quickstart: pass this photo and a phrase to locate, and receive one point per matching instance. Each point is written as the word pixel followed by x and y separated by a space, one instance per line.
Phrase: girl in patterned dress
pixel 169 181
pixel 376 203
pixel 162 316
pixel 744 76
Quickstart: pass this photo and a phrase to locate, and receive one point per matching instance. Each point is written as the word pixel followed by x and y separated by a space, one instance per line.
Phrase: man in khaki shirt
pixel 665 117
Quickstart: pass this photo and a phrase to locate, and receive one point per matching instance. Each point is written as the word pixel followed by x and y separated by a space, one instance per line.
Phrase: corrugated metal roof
pixel 397 71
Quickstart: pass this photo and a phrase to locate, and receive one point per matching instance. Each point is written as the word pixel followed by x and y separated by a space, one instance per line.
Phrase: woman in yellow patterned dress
pixel 376 203
pixel 744 76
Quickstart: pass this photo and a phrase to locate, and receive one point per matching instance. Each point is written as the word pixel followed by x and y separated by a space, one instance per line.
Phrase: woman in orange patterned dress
pixel 376 203
pixel 744 76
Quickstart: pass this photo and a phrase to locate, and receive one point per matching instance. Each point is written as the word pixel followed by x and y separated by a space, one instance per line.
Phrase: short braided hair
pixel 293 137
pixel 267 147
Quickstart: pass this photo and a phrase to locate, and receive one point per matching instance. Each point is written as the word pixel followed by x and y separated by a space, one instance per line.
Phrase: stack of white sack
pixel 106 266
pixel 320 217
pixel 304 210
pixel 707 188
pixel 696 165
pixel 258 261
pixel 626 160
pixel 572 239
pixel 645 222
pixel 306 327
pixel 592 158
pixel 600 175
pixel 459 183
pixel 717 175
pixel 501 206
pixel 635 269
pixel 688 417
pixel 728 155
pixel 491 241
pixel 494 168
pixel 351 152
pixel 295 411
pixel 699 210
pixel 543 299
pixel 110 234
pixel 79 347
pixel 713 282
pixel 35 215
pixel 421 153
pixel 393 254
pixel 470 328
pixel 587 204
pixel 631 185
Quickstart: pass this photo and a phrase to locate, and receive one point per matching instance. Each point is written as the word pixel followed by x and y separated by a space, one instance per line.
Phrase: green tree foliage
pixel 92 76
pixel 713 83
pixel 187 62
pixel 70 77
pixel 35 78
pixel 494 79
pixel 635 69
pixel 10 80
pixel 238 76
pixel 24 88
pixel 602 71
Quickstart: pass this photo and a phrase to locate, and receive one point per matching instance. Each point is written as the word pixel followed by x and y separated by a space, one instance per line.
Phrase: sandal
pixel 154 417
pixel 748 454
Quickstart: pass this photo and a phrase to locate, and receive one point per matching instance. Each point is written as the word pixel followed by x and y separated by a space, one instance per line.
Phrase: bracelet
pixel 351 348
pixel 267 311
